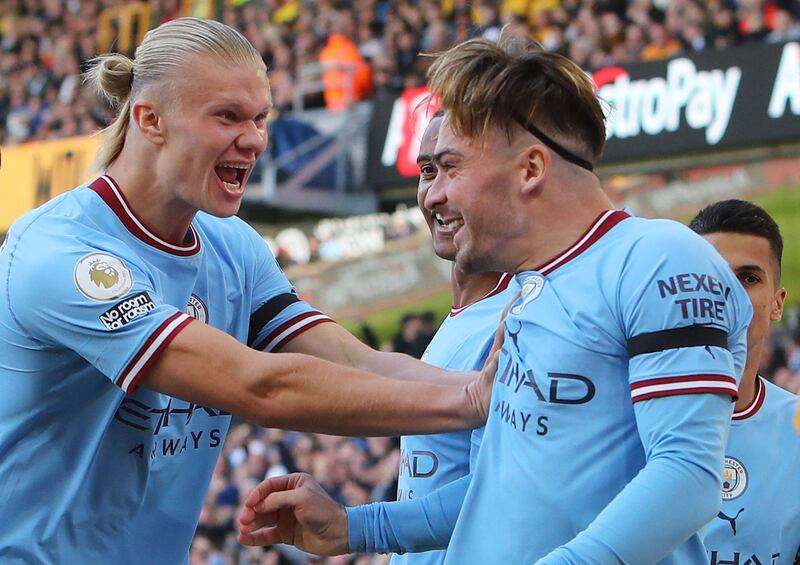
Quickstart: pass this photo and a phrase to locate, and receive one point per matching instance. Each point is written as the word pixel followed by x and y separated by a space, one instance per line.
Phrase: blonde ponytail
pixel 111 76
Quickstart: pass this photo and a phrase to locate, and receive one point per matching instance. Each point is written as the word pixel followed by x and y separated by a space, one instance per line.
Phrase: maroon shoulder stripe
pixel 152 348
pixel 290 329
pixel 688 384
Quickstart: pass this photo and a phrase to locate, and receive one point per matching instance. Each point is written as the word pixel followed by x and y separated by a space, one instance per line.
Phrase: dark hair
pixel 739 216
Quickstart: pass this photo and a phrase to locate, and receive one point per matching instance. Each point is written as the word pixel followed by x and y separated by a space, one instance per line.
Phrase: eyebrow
pixel 758 268
pixel 238 105
pixel 437 157
pixel 425 157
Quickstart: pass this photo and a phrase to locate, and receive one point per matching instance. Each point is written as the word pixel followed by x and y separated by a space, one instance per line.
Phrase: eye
pixel 261 120
pixel 227 115
pixel 748 279
pixel 428 171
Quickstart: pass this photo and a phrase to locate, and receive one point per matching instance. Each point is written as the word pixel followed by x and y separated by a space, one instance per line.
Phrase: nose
pixel 253 138
pixel 435 194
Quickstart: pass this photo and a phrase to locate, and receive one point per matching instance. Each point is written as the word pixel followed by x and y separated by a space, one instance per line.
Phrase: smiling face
pixel 475 198
pixel 441 234
pixel 753 262
pixel 214 131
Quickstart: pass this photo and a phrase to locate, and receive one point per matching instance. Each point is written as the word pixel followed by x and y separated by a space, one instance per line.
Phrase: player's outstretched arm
pixel 300 392
pixel 294 509
pixel 334 343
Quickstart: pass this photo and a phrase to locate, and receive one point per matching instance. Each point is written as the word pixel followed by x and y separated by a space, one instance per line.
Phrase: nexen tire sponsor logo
pixel 652 106
pixel 127 311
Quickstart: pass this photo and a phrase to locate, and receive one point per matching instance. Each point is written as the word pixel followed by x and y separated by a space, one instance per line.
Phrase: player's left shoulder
pixel 669 251
pixel 663 236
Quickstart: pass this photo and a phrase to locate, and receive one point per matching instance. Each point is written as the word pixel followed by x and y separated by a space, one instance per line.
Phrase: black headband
pixel 555 146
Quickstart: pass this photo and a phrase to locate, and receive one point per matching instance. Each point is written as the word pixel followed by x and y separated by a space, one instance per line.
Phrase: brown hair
pixel 164 49
pixel 484 84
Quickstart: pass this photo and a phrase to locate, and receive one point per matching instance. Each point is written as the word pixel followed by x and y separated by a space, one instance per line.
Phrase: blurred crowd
pixel 372 46
pixel 352 471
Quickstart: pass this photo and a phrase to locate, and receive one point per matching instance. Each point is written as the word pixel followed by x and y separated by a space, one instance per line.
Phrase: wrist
pixel 355 531
pixel 340 532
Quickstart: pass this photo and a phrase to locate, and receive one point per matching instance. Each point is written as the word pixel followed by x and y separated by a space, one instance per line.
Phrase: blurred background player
pixel 462 342
pixel 760 517
pixel 612 399
pixel 107 383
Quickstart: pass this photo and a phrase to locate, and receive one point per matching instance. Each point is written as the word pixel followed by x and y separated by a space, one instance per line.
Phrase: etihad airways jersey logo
pixel 102 277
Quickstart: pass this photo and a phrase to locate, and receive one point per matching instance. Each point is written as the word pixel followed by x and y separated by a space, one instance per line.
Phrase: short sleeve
pixel 684 316
pixel 98 302
pixel 279 314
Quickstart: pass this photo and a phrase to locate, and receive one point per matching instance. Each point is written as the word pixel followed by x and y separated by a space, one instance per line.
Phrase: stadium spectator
pixel 784 28
pixel 45 43
pixel 416 332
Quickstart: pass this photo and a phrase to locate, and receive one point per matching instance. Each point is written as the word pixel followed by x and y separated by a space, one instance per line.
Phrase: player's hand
pixel 293 509
pixel 480 390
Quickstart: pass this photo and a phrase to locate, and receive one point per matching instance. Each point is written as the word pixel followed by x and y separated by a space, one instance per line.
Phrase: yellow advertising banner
pixel 33 173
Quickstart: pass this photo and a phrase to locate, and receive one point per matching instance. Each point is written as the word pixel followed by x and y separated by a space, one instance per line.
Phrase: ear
pixel 148 120
pixel 776 312
pixel 536 164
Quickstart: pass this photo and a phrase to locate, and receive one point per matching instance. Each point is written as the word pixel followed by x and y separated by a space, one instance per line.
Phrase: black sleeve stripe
pixel 688 336
pixel 267 311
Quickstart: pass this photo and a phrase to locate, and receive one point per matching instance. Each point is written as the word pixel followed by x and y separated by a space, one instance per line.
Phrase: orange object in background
pixel 346 76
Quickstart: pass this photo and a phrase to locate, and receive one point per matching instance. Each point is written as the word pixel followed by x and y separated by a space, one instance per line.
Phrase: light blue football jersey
pixel 462 343
pixel 759 523
pixel 602 446
pixel 93 470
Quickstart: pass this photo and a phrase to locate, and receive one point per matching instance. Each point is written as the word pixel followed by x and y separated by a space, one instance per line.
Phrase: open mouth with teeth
pixel 448 225
pixel 232 175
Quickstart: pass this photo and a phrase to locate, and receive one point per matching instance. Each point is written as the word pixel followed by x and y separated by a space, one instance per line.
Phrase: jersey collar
pixel 111 194
pixel 501 285
pixel 601 226
pixel 755 405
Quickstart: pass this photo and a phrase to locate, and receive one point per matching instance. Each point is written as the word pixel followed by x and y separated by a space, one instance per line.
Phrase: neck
pixel 558 223
pixel 747 388
pixel 167 218
pixel 469 288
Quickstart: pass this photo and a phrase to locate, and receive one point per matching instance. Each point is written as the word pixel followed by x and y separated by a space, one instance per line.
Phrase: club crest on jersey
pixel 734 479
pixel 531 288
pixel 197 309
pixel 102 277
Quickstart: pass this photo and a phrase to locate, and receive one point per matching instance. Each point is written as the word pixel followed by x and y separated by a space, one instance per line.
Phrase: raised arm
pixel 300 392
